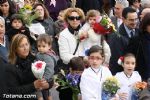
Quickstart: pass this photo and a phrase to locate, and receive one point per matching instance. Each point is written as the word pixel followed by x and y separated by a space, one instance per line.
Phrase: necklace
pixel 128 76
pixel 96 72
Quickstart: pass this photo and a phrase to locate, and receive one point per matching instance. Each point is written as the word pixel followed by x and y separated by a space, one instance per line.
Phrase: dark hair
pixel 46 13
pixel 133 1
pixel 126 11
pixel 44 38
pixel 94 49
pixel 17 17
pixel 128 55
pixel 145 22
pixel 76 64
pixel 11 6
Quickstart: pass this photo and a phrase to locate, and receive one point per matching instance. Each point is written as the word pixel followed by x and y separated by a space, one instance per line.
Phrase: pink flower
pixel 38 65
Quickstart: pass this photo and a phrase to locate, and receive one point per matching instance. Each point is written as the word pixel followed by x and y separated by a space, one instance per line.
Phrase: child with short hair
pixel 93 77
pixel 46 54
pixel 92 37
pixel 76 65
pixel 128 77
pixel 18 27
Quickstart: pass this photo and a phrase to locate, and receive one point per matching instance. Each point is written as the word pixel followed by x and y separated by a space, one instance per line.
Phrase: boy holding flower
pixel 93 77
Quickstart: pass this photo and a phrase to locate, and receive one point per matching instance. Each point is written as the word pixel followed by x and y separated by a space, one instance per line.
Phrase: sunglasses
pixel 74 17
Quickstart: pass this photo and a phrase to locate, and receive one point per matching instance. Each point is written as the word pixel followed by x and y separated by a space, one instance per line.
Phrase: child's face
pixel 17 24
pixel 95 59
pixel 43 47
pixel 92 20
pixel 60 16
pixel 129 64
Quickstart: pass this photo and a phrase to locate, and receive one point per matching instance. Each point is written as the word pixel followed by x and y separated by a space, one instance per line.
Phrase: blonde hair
pixel 92 13
pixel 16 40
pixel 70 10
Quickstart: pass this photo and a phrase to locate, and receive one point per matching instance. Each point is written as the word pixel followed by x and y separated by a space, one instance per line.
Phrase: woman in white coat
pixel 68 38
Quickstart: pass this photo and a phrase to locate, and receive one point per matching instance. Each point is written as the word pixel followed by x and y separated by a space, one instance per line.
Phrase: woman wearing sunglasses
pixel 68 38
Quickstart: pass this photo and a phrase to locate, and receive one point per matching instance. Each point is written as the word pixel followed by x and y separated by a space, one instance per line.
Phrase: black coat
pixel 118 45
pixel 87 5
pixel 24 65
pixel 10 81
pixel 138 46
pixel 24 30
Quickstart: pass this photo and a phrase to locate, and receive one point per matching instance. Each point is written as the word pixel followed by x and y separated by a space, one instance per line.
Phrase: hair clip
pixel 120 60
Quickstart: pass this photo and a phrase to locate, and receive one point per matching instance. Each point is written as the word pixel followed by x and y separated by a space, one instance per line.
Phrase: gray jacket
pixel 50 61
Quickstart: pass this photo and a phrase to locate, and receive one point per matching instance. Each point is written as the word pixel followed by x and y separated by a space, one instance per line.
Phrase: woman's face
pixel 2 27
pixel 40 11
pixel 4 8
pixel 74 20
pixel 148 29
pixel 23 48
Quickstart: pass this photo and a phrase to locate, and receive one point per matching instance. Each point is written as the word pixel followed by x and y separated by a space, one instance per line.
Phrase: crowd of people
pixel 63 36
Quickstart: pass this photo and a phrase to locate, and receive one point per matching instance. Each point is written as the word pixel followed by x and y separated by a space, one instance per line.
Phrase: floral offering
pixel 69 81
pixel 137 88
pixel 110 87
pixel 38 68
pixel 27 14
pixel 104 25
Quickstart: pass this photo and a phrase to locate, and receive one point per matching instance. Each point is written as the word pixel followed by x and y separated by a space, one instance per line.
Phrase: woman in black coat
pixel 11 82
pixel 20 56
pixel 140 46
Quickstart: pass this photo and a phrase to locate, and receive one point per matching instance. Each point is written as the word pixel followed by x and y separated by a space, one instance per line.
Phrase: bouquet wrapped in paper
pixel 137 88
pixel 110 88
pixel 38 69
pixel 104 25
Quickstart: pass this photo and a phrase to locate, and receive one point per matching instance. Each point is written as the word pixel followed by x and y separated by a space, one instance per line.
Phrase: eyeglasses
pixel 74 17
pixel 95 58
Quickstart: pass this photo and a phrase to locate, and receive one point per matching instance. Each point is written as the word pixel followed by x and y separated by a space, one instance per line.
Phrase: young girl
pixel 18 27
pixel 93 77
pixel 94 38
pixel 76 65
pixel 128 77
pixel 46 54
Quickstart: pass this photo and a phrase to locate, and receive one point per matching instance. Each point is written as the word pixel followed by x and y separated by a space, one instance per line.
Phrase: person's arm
pixel 65 48
pixel 49 69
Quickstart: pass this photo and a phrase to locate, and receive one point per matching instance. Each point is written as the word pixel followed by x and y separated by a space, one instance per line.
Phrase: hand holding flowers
pixel 110 87
pixel 137 88
pixel 69 81
pixel 104 25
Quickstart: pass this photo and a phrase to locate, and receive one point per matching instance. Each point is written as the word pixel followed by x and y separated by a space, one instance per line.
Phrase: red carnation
pixel 38 65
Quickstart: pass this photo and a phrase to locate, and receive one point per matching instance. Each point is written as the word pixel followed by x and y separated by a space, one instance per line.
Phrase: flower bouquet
pixel 137 88
pixel 27 14
pixel 38 69
pixel 110 87
pixel 104 25
pixel 69 81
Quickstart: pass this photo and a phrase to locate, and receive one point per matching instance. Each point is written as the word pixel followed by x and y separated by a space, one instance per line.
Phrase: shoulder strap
pixel 76 48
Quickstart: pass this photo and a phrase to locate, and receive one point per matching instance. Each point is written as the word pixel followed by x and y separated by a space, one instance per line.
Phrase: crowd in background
pixel 53 37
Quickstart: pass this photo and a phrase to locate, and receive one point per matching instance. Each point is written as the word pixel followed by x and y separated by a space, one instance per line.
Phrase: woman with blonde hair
pixel 69 45
pixel 20 56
